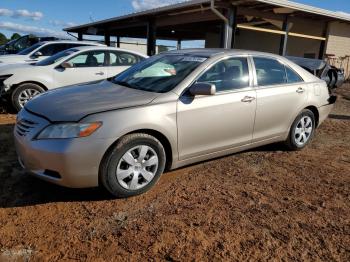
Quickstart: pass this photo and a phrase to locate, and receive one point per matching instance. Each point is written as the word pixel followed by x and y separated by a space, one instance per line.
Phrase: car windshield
pixel 57 57
pixel 28 50
pixel 159 74
pixel 9 43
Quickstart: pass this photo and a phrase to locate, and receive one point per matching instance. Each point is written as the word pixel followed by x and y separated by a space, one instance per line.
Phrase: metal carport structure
pixel 223 19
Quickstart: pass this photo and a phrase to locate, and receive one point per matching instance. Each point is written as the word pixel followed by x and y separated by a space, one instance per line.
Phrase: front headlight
pixel 68 130
pixel 2 80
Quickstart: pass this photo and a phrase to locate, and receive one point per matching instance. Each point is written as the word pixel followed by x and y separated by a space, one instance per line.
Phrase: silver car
pixel 168 111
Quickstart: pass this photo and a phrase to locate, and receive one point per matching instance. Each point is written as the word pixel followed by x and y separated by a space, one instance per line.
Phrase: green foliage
pixel 3 39
pixel 15 36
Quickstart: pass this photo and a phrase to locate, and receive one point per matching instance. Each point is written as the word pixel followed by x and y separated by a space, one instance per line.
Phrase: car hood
pixel 14 68
pixel 13 59
pixel 71 104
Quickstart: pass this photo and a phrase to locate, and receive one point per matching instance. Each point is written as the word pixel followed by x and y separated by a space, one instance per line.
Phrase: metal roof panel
pixel 278 3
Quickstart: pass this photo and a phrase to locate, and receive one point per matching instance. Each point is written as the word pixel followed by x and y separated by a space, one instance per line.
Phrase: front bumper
pixel 67 162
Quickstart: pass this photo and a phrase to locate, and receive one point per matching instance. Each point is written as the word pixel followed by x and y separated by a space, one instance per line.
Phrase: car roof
pixel 71 42
pixel 210 52
pixel 87 48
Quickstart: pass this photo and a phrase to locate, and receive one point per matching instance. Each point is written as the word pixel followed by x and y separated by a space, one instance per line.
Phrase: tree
pixel 15 36
pixel 3 39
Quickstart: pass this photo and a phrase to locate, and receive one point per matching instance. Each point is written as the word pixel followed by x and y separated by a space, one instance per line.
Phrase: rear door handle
pixel 300 90
pixel 248 99
pixel 100 73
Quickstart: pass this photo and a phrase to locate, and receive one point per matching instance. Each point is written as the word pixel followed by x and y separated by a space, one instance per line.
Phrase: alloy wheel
pixel 26 95
pixel 303 131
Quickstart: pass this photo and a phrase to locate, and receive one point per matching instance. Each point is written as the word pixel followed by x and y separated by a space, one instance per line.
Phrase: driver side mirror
pixel 66 65
pixel 206 89
pixel 37 54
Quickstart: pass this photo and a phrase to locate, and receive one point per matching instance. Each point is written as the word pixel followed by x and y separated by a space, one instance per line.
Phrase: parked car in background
pixel 42 50
pixel 20 83
pixel 168 111
pixel 333 76
pixel 23 42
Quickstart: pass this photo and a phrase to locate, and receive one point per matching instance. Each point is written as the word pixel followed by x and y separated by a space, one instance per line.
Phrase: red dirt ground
pixel 263 204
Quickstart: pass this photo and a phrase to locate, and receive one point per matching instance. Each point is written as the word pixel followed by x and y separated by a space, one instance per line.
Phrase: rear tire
pixel 134 166
pixel 23 93
pixel 301 131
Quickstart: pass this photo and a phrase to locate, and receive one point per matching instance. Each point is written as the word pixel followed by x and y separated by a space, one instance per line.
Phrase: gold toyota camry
pixel 168 111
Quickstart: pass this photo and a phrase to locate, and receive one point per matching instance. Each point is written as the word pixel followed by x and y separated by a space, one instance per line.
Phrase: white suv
pixel 20 83
pixel 42 50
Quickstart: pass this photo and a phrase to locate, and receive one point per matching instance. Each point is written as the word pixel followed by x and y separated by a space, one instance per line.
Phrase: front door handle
pixel 300 90
pixel 100 73
pixel 248 99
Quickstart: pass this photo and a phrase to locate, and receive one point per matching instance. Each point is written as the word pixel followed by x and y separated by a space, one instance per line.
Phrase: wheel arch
pixel 314 110
pixel 163 140
pixel 13 87
pixel 158 135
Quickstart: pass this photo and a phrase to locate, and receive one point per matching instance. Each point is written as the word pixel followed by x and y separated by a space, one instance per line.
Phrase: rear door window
pixel 269 71
pixel 117 58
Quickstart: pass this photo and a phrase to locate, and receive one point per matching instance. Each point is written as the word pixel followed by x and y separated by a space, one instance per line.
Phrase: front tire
pixel 302 130
pixel 134 166
pixel 23 93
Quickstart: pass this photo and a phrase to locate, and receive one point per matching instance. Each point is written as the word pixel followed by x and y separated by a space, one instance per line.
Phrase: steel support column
pixel 178 44
pixel 233 21
pixel 324 43
pixel 284 38
pixel 107 39
pixel 118 41
pixel 229 29
pixel 80 36
pixel 151 38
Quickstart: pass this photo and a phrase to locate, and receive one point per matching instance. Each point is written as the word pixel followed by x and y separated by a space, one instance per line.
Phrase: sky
pixel 48 17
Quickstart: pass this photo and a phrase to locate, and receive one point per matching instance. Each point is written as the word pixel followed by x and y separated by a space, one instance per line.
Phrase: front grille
pixel 24 126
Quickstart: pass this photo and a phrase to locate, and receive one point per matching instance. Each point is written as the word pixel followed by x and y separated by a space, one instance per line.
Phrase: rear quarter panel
pixel 318 97
pixel 318 93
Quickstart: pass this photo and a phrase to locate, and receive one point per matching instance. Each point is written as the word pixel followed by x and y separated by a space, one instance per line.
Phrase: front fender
pixel 19 78
pixel 156 117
